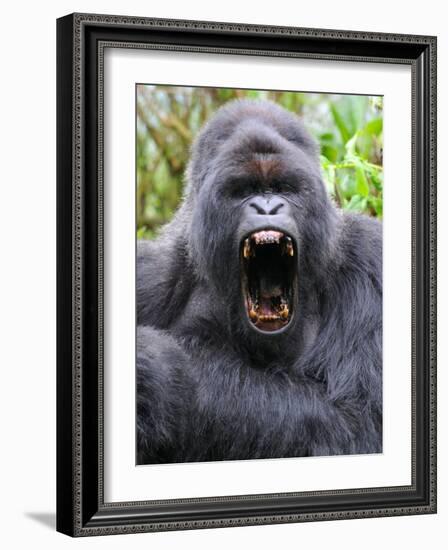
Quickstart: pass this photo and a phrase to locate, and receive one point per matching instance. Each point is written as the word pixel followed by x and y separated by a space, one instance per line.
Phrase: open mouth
pixel 268 278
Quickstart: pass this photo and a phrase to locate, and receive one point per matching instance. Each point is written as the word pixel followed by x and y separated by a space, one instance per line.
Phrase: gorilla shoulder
pixel 164 281
pixel 362 243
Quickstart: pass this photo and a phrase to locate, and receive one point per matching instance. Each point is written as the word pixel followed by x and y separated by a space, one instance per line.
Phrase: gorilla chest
pixel 241 413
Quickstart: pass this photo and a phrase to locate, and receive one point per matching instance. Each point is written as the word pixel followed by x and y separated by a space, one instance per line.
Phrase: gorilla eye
pixel 277 187
pixel 281 188
pixel 242 188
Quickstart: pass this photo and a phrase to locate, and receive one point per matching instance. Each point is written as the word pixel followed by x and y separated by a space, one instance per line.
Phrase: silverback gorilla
pixel 259 307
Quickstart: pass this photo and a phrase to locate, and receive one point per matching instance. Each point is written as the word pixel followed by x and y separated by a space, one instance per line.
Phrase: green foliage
pixel 351 158
pixel 348 129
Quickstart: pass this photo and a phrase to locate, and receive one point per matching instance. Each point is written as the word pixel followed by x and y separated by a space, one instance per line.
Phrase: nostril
pixel 267 205
pixel 276 208
pixel 258 209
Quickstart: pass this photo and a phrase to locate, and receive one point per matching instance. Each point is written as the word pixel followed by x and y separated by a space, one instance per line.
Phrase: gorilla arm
pixel 214 407
pixel 347 352
pixel 164 393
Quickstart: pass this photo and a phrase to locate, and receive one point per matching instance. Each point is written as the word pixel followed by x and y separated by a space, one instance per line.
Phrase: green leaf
pixel 340 123
pixel 324 162
pixel 374 127
pixel 349 114
pixel 347 183
pixel 350 146
pixel 224 93
pixel 330 152
pixel 362 185
pixel 329 175
pixel 377 179
pixel 288 100
pixel 327 136
pixel 357 204
pixel 376 203
pixel 141 232
pixel 357 110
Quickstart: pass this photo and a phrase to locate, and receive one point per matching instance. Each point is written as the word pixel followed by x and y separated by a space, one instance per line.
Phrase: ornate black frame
pixel 81 39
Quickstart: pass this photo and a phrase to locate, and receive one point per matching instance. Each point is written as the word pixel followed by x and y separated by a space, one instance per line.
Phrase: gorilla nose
pixel 267 205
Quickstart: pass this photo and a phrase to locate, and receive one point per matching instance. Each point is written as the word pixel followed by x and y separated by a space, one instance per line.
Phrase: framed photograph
pixel 246 274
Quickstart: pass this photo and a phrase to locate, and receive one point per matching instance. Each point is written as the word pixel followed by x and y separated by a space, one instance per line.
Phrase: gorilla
pixel 259 306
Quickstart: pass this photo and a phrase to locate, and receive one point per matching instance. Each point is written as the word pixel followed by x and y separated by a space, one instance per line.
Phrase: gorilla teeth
pixel 284 311
pixel 253 314
pixel 267 237
pixel 269 318
pixel 246 249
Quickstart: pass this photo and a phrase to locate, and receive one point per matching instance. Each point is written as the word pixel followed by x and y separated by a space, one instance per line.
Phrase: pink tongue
pixel 268 291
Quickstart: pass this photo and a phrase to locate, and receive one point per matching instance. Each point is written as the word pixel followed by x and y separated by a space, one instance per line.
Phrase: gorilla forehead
pixel 258 136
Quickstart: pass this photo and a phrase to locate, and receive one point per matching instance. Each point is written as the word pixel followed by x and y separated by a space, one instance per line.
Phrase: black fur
pixel 209 386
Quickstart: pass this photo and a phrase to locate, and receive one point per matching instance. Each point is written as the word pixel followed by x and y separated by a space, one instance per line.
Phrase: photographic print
pixel 246 278
pixel 259 274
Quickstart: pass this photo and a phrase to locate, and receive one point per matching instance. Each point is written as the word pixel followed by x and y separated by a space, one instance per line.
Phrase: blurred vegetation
pixel 348 128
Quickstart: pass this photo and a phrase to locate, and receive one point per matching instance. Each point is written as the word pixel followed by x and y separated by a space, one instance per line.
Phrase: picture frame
pixel 81 507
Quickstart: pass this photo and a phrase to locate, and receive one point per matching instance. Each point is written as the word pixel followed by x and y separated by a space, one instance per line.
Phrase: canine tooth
pixel 253 314
pixel 289 249
pixel 246 249
pixel 284 312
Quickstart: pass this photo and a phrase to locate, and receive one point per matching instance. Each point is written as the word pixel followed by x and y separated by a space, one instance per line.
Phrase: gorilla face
pixel 258 203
